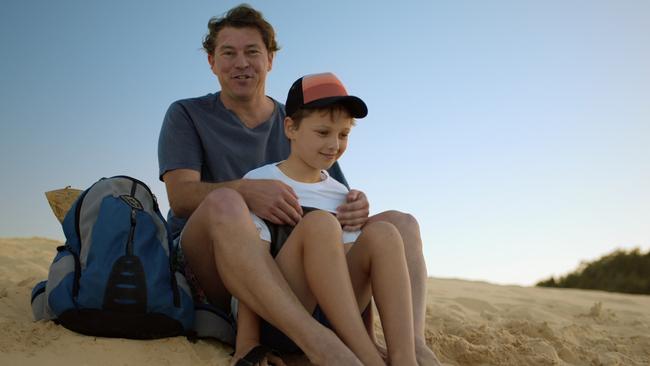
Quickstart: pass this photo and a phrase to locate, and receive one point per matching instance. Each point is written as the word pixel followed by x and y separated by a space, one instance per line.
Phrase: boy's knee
pixel 319 222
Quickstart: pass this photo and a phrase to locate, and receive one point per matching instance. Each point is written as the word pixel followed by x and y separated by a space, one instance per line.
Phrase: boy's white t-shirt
pixel 325 195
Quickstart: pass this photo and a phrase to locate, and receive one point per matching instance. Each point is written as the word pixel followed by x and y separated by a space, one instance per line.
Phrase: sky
pixel 516 132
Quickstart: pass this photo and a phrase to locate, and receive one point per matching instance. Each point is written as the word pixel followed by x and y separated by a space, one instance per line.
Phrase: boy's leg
pixel 221 245
pixel 313 262
pixel 376 263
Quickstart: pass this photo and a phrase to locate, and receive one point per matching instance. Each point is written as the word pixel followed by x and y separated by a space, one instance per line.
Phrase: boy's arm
pixel 354 213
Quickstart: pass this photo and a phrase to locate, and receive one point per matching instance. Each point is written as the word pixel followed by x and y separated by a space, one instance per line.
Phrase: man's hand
pixel 271 200
pixel 354 213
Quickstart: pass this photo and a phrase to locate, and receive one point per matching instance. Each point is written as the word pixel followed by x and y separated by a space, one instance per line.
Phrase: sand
pixel 468 323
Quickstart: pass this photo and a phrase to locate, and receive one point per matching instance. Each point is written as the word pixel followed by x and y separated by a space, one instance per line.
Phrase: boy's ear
pixel 289 128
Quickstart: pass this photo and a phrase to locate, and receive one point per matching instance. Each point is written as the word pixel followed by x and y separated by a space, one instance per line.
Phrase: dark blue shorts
pixel 270 335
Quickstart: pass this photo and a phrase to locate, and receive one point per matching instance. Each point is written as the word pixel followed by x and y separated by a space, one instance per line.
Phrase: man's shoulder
pixel 205 101
pixel 278 111
pixel 277 104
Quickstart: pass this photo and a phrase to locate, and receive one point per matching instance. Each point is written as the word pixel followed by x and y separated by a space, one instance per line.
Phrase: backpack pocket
pixel 39 303
pixel 61 287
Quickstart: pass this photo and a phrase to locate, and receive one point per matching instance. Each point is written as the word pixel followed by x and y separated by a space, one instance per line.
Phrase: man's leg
pixel 377 267
pixel 221 245
pixel 409 229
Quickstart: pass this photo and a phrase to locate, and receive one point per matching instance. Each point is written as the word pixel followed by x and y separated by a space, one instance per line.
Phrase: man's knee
pixel 223 205
pixel 382 235
pixel 406 224
pixel 402 220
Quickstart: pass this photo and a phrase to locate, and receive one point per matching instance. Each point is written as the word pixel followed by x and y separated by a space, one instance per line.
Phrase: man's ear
pixel 211 60
pixel 289 128
pixel 271 56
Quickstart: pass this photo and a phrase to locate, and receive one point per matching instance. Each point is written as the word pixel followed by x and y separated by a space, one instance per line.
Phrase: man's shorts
pixel 180 264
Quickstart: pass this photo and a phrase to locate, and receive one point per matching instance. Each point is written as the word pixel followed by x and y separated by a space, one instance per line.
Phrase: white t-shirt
pixel 325 195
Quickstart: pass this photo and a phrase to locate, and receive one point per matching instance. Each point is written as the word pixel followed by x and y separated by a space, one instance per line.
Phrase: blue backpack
pixel 115 275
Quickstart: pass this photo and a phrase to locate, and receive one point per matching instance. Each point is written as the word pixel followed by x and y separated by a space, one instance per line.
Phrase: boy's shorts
pixel 270 335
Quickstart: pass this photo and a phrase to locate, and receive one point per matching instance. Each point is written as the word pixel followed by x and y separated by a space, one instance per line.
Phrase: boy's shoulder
pixel 263 172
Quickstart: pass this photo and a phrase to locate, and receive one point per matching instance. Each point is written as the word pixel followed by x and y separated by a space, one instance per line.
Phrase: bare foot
pixel 424 354
pixel 330 351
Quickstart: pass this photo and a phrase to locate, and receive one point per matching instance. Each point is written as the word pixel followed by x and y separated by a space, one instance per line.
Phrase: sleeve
pixel 262 228
pixel 250 175
pixel 179 144
pixel 258 173
pixel 350 236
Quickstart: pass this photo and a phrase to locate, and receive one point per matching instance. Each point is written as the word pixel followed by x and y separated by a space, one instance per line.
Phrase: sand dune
pixel 468 323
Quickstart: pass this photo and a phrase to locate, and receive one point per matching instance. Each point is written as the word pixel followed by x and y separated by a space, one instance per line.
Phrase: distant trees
pixel 620 271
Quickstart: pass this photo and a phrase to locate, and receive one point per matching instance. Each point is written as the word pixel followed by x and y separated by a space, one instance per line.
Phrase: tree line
pixel 620 271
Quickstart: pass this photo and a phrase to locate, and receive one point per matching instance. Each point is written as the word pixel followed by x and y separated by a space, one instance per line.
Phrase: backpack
pixel 115 275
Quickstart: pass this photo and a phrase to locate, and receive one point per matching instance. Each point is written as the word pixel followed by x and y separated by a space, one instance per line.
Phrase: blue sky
pixel 517 132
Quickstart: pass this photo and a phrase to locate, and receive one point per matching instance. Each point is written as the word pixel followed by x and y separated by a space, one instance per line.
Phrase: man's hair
pixel 331 110
pixel 241 16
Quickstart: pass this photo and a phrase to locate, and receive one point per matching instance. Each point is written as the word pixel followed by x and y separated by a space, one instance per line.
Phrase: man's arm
pixel 268 199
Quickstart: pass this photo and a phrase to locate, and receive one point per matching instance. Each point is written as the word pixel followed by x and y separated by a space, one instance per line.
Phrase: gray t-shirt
pixel 203 135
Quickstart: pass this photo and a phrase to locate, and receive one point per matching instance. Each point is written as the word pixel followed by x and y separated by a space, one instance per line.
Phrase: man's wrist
pixel 242 187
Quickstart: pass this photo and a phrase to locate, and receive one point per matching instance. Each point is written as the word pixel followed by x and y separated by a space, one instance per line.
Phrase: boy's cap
pixel 322 90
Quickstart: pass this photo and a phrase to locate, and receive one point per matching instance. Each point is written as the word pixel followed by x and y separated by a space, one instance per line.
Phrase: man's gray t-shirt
pixel 203 135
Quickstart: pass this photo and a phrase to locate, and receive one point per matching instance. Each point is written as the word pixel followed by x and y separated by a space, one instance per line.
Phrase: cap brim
pixel 354 105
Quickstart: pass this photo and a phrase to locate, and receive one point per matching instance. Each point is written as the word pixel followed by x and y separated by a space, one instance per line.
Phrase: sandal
pixel 255 355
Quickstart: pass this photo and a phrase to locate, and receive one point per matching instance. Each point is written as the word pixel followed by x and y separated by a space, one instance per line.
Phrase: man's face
pixel 321 138
pixel 241 62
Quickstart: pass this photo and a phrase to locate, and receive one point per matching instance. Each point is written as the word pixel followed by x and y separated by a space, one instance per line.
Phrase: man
pixel 207 144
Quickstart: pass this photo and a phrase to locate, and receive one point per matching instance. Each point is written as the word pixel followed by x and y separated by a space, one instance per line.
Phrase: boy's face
pixel 321 138
pixel 240 62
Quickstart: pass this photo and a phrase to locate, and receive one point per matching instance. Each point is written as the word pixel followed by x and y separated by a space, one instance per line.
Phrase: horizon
pixel 516 133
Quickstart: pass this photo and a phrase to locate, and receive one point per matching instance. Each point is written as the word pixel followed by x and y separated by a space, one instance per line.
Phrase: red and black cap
pixel 322 90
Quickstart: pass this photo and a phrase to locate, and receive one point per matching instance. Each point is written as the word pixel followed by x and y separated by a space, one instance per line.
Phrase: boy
pixel 327 277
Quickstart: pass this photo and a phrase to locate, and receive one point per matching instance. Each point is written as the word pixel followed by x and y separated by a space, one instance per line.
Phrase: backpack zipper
pixel 129 243
pixel 172 274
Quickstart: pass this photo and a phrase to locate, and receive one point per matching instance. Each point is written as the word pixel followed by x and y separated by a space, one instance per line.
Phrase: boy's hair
pixel 241 16
pixel 331 110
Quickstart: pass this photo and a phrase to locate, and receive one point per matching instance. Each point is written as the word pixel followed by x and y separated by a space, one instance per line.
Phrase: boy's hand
pixel 354 213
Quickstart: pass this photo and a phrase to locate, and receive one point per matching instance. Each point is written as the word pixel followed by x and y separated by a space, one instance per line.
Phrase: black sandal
pixel 255 355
